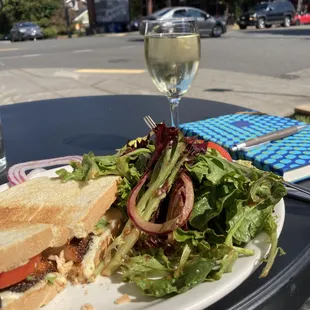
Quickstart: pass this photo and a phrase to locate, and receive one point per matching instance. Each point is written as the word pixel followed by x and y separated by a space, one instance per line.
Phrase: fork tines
pixel 149 122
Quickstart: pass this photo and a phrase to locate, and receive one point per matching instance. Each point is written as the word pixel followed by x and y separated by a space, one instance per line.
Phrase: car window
pixel 278 6
pixel 259 7
pixel 285 6
pixel 179 13
pixel 27 25
pixel 161 12
pixel 196 14
pixel 273 7
pixel 289 6
pixel 282 6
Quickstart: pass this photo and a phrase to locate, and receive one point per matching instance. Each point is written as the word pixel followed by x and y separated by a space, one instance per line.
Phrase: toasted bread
pixel 74 205
pixel 21 241
pixel 36 297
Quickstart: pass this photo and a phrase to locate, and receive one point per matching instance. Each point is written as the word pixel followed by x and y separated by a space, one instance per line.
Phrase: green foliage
pixel 37 11
pixel 50 32
pixel 135 9
pixel 302 118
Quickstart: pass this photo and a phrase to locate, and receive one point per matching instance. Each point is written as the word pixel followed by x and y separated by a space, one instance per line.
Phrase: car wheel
pixel 287 21
pixel 217 31
pixel 242 27
pixel 268 26
pixel 261 23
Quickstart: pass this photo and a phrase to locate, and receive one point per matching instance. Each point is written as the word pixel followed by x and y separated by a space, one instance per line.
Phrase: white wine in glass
pixel 172 54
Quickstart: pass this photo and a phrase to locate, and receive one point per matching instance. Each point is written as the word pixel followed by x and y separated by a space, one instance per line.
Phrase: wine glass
pixel 172 55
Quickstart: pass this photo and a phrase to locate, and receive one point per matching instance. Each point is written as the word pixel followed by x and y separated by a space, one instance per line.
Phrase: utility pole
pixel 91 14
pixel 149 7
pixel 67 18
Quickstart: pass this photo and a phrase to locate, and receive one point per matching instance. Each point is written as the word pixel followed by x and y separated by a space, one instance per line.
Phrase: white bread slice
pixel 36 297
pixel 21 241
pixel 84 272
pixel 76 205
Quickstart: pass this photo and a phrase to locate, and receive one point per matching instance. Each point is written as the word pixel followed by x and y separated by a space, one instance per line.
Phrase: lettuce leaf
pixel 194 272
pixel 226 265
pixel 130 166
pixel 142 266
pixel 270 227
pixel 193 237
pixel 225 189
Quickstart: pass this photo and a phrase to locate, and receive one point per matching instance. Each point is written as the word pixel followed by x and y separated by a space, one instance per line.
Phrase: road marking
pixel 31 55
pixel 111 71
pixel 20 56
pixel 9 49
pixel 82 51
pixel 116 35
pixel 129 46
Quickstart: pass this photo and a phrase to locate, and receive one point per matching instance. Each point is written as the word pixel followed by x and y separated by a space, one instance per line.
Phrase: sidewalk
pixel 270 95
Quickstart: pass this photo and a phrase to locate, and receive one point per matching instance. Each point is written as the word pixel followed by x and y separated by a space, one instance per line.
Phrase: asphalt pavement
pixel 263 69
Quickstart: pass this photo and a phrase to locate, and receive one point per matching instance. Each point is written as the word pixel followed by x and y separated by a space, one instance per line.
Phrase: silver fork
pixel 149 122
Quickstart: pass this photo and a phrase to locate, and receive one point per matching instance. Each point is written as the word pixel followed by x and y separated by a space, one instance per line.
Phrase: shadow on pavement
pixel 136 39
pixel 202 38
pixel 223 90
pixel 285 32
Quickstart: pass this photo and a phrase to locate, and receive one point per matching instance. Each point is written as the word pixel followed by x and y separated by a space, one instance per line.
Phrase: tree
pixel 39 11
pixel 299 4
pixel 135 9
pixel 233 9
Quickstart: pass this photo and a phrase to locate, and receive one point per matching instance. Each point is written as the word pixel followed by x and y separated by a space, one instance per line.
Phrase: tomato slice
pixel 212 145
pixel 221 150
pixel 20 273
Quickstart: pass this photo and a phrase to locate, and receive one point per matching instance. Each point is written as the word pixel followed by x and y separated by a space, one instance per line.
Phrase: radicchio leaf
pixel 164 136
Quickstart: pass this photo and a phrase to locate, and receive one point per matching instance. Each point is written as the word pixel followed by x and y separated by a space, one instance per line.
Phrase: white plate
pixel 103 293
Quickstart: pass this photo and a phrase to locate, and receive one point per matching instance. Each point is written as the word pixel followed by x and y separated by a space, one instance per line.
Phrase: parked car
pixel 25 31
pixel 133 25
pixel 207 24
pixel 301 19
pixel 266 14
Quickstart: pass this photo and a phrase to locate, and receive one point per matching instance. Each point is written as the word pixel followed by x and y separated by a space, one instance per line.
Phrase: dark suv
pixel 266 14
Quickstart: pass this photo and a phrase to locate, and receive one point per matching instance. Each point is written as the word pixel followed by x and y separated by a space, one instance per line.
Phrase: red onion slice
pixel 34 172
pixel 12 180
pixel 17 173
pixel 182 210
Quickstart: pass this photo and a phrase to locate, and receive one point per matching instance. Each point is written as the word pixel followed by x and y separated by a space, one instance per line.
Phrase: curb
pixel 303 109
pixel 233 27
pixel 120 34
pixel 64 37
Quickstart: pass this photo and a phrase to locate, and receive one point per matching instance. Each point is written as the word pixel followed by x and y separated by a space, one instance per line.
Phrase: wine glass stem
pixel 174 111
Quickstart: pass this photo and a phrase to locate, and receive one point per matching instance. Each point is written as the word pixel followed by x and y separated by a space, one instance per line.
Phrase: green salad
pixel 190 211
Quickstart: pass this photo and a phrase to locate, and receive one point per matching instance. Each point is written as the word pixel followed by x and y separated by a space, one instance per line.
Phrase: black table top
pixel 74 126
pixel 102 124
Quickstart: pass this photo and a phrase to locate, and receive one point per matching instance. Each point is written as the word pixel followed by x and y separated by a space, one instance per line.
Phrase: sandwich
pixel 52 232
pixel 25 275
